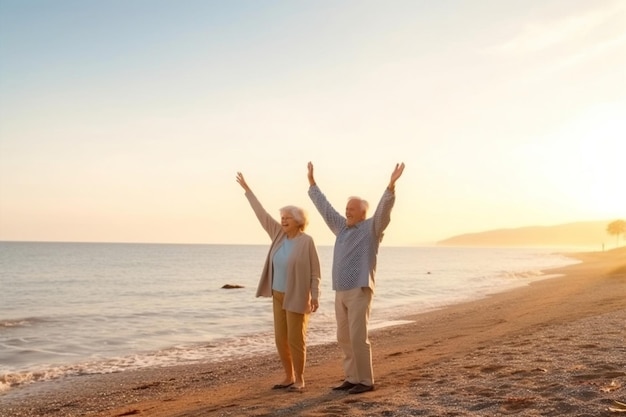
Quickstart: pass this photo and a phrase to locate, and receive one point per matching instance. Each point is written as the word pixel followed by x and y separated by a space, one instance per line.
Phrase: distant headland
pixel 592 234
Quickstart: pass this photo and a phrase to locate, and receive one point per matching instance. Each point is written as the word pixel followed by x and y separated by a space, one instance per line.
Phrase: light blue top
pixel 279 264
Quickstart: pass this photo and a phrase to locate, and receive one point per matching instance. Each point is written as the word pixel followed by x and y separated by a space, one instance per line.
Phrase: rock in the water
pixel 231 286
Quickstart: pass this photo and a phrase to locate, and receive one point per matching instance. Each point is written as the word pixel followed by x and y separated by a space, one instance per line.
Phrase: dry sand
pixel 553 348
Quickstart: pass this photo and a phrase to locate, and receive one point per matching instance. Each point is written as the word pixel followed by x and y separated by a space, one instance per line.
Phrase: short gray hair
pixel 364 204
pixel 298 214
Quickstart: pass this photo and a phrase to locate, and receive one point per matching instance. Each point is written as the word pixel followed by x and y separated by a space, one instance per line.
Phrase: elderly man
pixel 354 267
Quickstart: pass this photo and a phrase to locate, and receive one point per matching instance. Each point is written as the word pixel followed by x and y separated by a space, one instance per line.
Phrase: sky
pixel 127 120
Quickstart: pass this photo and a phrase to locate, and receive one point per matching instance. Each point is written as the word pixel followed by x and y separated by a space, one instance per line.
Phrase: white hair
pixel 364 204
pixel 298 214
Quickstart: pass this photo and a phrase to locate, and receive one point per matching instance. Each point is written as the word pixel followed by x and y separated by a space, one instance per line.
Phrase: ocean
pixel 71 309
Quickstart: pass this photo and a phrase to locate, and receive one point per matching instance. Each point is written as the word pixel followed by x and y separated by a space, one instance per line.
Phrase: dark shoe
pixel 282 386
pixel 345 386
pixel 360 388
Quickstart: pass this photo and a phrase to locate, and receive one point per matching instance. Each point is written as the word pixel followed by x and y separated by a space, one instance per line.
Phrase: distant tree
pixel 617 228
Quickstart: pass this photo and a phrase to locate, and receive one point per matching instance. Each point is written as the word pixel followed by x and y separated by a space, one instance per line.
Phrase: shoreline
pixel 228 325
pixel 553 347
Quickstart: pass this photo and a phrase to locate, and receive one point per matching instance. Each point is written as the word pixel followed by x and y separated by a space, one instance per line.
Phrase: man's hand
pixel 397 173
pixel 242 182
pixel 310 174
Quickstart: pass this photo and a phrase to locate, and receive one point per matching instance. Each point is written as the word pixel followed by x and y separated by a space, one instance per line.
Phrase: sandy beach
pixel 556 347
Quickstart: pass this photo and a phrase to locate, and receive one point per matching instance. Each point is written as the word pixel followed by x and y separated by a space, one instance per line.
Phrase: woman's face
pixel 290 226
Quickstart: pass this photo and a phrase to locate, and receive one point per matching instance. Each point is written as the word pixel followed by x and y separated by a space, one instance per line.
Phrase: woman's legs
pixel 296 328
pixel 281 334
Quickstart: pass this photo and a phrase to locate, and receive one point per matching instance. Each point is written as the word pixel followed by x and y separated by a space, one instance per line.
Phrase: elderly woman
pixel 291 276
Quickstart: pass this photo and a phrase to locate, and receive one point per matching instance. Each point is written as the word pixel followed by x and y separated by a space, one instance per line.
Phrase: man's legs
pixel 352 310
pixel 343 336
pixel 359 305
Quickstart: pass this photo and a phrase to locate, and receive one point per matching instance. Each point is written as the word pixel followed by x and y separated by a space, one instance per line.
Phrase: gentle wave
pixel 213 352
pixel 25 322
pixel 236 347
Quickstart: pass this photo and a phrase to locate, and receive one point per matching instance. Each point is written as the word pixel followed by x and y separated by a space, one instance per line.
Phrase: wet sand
pixel 556 347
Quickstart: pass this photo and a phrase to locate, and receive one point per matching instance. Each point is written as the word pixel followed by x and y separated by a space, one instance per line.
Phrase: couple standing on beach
pixel 291 276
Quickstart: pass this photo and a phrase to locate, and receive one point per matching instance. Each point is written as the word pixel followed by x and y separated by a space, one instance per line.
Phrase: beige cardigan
pixel 303 265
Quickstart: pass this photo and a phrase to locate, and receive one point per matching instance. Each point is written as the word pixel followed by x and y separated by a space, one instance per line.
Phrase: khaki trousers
pixel 352 311
pixel 290 335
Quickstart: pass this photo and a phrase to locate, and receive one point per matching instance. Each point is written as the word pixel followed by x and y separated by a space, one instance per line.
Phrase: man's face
pixel 354 213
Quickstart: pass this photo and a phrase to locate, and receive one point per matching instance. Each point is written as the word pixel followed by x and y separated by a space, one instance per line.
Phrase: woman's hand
pixel 314 305
pixel 242 182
